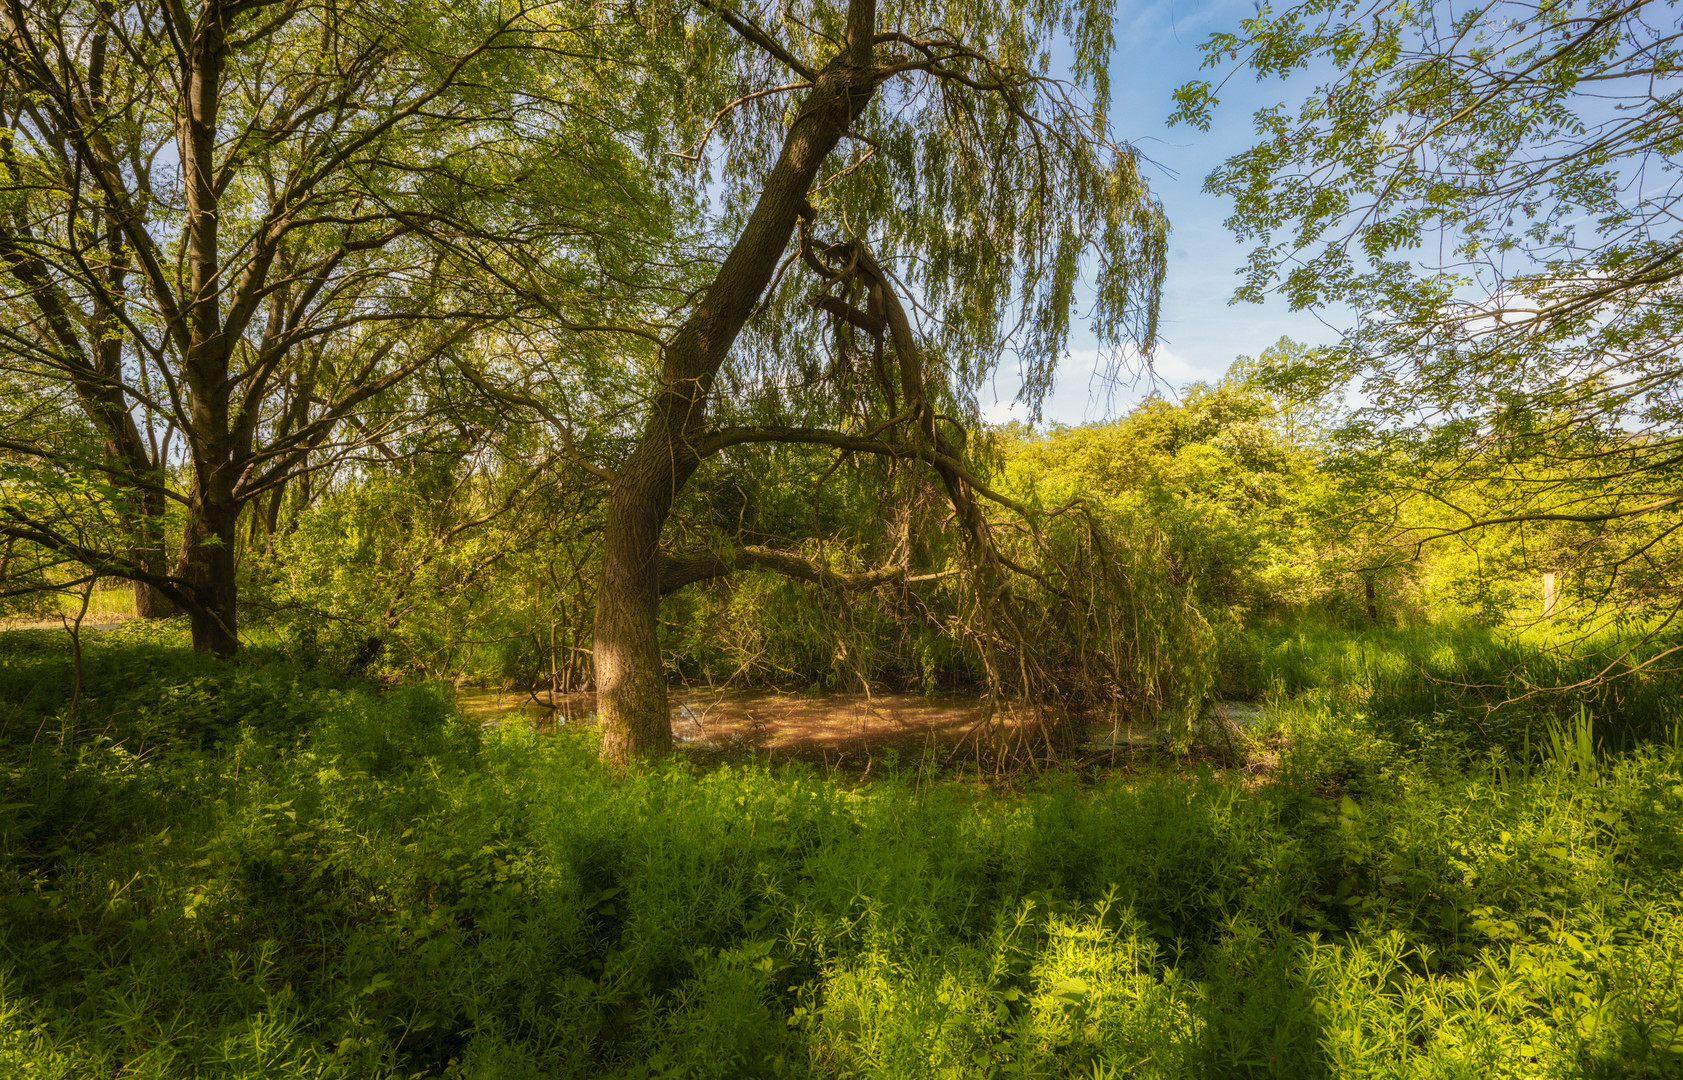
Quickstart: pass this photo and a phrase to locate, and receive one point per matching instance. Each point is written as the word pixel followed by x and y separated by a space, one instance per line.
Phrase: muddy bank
pixel 835 729
pixel 851 731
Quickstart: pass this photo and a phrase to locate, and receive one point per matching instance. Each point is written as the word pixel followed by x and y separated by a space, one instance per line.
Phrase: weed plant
pixel 251 870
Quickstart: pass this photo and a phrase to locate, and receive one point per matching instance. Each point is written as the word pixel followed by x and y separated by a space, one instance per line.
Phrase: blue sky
pixel 1157 50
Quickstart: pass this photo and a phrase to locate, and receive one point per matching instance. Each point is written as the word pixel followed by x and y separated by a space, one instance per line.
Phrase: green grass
pixel 1487 689
pixel 106 605
pixel 250 870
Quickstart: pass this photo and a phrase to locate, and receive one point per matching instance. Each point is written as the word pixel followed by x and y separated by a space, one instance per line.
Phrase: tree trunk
pixel 271 522
pixel 150 603
pixel 149 554
pixel 1372 600
pixel 207 543
pixel 207 565
pixel 630 677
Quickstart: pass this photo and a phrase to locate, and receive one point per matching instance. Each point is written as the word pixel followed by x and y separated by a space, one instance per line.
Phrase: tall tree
pixel 227 229
pixel 863 296
pixel 1494 190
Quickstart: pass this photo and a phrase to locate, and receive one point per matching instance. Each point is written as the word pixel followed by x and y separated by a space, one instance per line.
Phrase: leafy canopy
pixel 983 174
pixel 1493 189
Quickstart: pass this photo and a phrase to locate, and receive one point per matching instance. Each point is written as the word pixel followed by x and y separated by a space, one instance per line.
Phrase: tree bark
pixel 206 566
pixel 630 675
pixel 149 554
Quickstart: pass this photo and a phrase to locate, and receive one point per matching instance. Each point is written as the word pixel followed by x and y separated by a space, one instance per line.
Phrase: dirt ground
pixel 851 732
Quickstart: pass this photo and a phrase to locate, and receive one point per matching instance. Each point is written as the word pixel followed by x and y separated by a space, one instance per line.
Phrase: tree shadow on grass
pixel 1640 1048
pixel 1260 1015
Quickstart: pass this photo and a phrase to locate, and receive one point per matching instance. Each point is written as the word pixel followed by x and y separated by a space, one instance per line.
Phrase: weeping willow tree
pixel 908 196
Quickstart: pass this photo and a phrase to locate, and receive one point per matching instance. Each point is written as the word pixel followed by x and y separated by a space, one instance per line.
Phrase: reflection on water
pixel 542 712
pixel 756 721
pixel 703 720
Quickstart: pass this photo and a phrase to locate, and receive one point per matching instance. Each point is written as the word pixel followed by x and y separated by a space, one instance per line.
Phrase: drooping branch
pixel 677 571
pixel 748 30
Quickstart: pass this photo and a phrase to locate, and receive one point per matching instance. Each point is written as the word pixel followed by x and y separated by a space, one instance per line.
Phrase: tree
pixel 862 299
pixel 1225 473
pixel 229 231
pixel 1493 190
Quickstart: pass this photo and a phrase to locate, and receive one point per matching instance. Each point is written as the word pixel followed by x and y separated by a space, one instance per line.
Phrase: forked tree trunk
pixel 630 676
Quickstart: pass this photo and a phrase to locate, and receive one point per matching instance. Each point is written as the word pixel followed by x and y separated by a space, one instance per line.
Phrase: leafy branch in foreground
pixel 1494 192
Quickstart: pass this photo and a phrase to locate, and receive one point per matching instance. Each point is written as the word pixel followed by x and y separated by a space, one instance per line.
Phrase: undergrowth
pixel 1490 689
pixel 248 870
